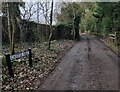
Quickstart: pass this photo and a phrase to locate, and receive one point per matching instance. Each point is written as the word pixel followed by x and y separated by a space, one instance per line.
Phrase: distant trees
pixel 99 17
pixel 88 21
pixel 107 15
pixel 71 14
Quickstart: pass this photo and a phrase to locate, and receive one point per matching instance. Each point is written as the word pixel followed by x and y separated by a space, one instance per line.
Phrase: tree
pixel 38 10
pixel 71 15
pixel 45 9
pixel 16 15
pixel 51 30
pixel 27 12
pixel 105 14
pixel 12 12
pixel 87 20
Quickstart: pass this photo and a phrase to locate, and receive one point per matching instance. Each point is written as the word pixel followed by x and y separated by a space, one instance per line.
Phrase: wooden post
pixel 30 58
pixel 9 64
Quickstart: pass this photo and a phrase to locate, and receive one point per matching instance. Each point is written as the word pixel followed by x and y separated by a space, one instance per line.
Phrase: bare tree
pixel 51 30
pixel 45 10
pixel 27 12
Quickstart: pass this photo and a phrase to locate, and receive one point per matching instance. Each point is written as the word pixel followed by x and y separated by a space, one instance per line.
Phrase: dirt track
pixel 89 65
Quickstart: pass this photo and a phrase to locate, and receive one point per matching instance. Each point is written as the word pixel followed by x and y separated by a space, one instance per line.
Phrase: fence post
pixel 9 64
pixel 30 58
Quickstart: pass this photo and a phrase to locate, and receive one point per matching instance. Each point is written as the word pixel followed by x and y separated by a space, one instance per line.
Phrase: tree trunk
pixel 13 33
pixel 73 24
pixel 8 21
pixel 51 30
pixel 46 28
pixel 38 33
pixel 10 15
pixel 76 27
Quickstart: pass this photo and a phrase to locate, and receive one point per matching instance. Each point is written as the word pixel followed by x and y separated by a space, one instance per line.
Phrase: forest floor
pixel 89 65
pixel 44 62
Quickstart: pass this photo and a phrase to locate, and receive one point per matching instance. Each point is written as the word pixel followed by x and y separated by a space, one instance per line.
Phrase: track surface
pixel 89 65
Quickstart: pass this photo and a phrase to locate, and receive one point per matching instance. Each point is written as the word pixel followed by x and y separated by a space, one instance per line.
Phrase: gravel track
pixel 89 65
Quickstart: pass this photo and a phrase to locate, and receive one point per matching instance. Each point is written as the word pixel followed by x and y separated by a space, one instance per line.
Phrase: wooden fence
pixel 112 40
